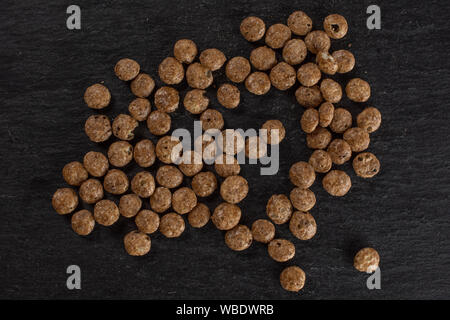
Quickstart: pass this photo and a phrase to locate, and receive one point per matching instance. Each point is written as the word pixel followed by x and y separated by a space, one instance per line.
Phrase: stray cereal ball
pixel 226 216
pixel 239 238
pixel 279 208
pixel 357 138
pixel 282 76
pixel 142 85
pixel 294 51
pixel 326 114
pixel 331 90
pixel 139 109
pixel 171 225
pixel 144 153
pixel 308 74
pixel 213 59
pixel 169 177
pixel 199 216
pixel 184 200
pixel 191 163
pixel 196 101
pixel 318 139
pixel 292 279
pixel 171 71
pixel 185 51
pixel 143 184
pixel 258 83
pixel 302 174
pixel 277 35
pixel 337 183
pixel 106 212
pixel 369 119
pixel 97 96
pixel 74 173
pixel 366 260
pixel 302 199
pixel 281 250
pixel 326 63
pixel 339 151
pixel 147 221
pixel 335 26
pixel 96 163
pixel 255 147
pixel 116 182
pixel 129 205
pixel 321 161
pixel 120 153
pixel 123 127
pixel 263 58
pixel 91 191
pixel 64 200
pixel 232 141
pixel 158 123
pixel 167 99
pixel 227 165
pixel 366 165
pixel 302 225
pixel 309 120
pixel 358 90
pixel 83 222
pixel 263 231
pixel 204 183
pixel 342 120
pixel 161 199
pixel 168 149
pixel 198 76
pixel 228 96
pixel 317 41
pixel 345 60
pixel 211 119
pixel 126 69
pixel 234 189
pixel 137 243
pixel 252 29
pixel 98 128
pixel 275 131
pixel 237 69
pixel 299 23
pixel 309 97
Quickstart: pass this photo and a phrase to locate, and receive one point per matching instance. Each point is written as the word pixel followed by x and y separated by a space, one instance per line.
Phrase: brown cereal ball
pixel 302 174
pixel 185 50
pixel 191 163
pixel 237 69
pixel 143 184
pixel 366 165
pixel 213 59
pixel 142 85
pixel 369 119
pixel 281 250
pixel 204 183
pixel 129 205
pixel 139 109
pixel 337 183
pixel 342 120
pixel 331 90
pixel 318 139
pixel 120 153
pixel 275 131
pixel 168 149
pixel 74 173
pixel 123 127
pixel 255 147
pixel 234 189
pixel 126 69
pixel 335 26
pixel 171 71
pixel 263 58
pixel 198 76
pixel 106 212
pixel 258 83
pixel 299 23
pixel 64 200
pixel 228 96
pixel 302 225
pixel 211 119
pixel 116 182
pixel 171 225
pixel 137 243
pixel 184 200
pixel 326 114
pixel 227 165
pixel 277 35
pixel 309 97
pixel 282 76
pixel 358 90
pixel 263 231
pixel 226 216
pixel 345 60
pixel 366 260
pixel 207 145
pixel 309 120
pixel 308 74
pixel 339 151
pixel 161 199
pixel 239 238
pixel 97 96
pixel 169 177
pixel 317 41
pixel 357 138
pixel 147 221
pixel 196 101
pixel 252 29
pixel 232 141
pixel 199 216
pixel 167 99
pixel 82 222
pixel 321 161
pixel 279 208
pixel 292 279
pixel 302 199
pixel 326 63
pixel 158 123
pixel 98 128
pixel 144 153
pixel 294 51
pixel 95 163
pixel 91 191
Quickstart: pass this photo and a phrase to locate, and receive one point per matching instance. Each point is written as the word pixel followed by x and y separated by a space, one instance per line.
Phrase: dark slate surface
pixel 403 212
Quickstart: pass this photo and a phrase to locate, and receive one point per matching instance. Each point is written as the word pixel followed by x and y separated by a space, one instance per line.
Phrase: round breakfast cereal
pixel 282 76
pixel 358 90
pixel 143 184
pixel 342 120
pixel 158 123
pixel 326 114
pixel 198 76
pixel 123 127
pixel 97 96
pixel 369 119
pixel 171 71
pixel 96 163
pixel 331 90
pixel 199 216
pixel 144 153
pixel 281 250
pixel 64 200
pixel 226 216
pixel 357 138
pixel 366 260
pixel 98 128
pixel 171 225
pixel 294 51
pixel 302 225
pixel 317 41
pixel 91 191
pixel 83 222
pixel 337 183
pixel 129 205
pixel 258 83
pixel 300 23
pixel 147 221
pixel 308 74
pixel 168 149
pixel 234 189
pixel 326 63
pixel 139 109
pixel 239 238
pixel 167 99
pixel 196 101
pixel 204 183
pixel 137 243
pixel 185 50
pixel 227 165
pixel 277 35
pixel 279 208
pixel 142 85
pixel 263 58
pixel 184 200
pixel 116 182
pixel 106 212
pixel 212 58
pixel 263 231
pixel 339 151
pixel 120 153
pixel 318 139
pixel 237 69
pixel 161 199
pixel 345 60
pixel 366 165
pixel 211 119
pixel 292 279
pixel 191 163
pixel 302 174
pixel 321 161
pixel 253 29
pixel 309 120
pixel 169 176
pixel 335 26
pixel 74 173
pixel 228 96
pixel 275 131
pixel 302 199
pixel 309 97
pixel 126 69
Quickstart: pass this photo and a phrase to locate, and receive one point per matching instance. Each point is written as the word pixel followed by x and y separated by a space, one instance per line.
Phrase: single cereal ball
pixel 184 200
pixel 196 101
pixel 91 191
pixel 98 128
pixel 204 183
pixel 357 138
pixel 212 58
pixel 106 212
pixel 198 76
pixel 366 260
pixel 137 243
pixel 171 71
pixel 263 58
pixel 302 174
pixel 345 60
pixel 326 114
pixel 309 120
pixel 317 41
pixel 96 163
pixel 97 96
pixel 281 250
pixel 335 26
pixel 211 119
pixel 294 51
pixel 275 131
pixel 309 97
pixel 277 35
pixel 142 85
pixel 199 216
pixel 227 165
pixel 299 23
pixel 292 279
pixel 239 238
pixel 139 109
pixel 302 225
pixel 144 153
pixel 282 76
pixel 226 216
pixel 339 151
pixel 120 153
pixel 161 199
pixel 228 96
pixel 185 50
pixel 64 200
pixel 234 189
pixel 358 90
pixel 302 199
pixel 147 221
pixel 252 29
pixel 143 184
pixel 191 163
pixel 331 90
pixel 337 183
pixel 167 99
pixel 116 182
pixel 326 63
pixel 255 147
pixel 74 173
pixel 369 119
pixel 171 225
pixel 232 141
pixel 318 139
pixel 123 127
pixel 169 177
pixel 158 123
pixel 126 69
pixel 168 149
pixel 279 208
pixel 258 83
pixel 82 222
pixel 366 165
pixel 263 231
pixel 237 69
pixel 129 205
pixel 308 74
pixel 342 120
pixel 321 161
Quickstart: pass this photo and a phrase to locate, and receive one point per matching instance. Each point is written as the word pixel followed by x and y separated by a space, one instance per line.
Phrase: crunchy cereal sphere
pixel 357 138
pixel 123 127
pixel 232 142
pixel 237 69
pixel 369 119
pixel 321 161
pixel 302 199
pixel 335 26
pixel 309 97
pixel 98 128
pixel 143 184
pixel 309 120
pixel 137 243
pixel 358 90
pixel 106 212
pixel 139 109
pixel 82 222
pixel 171 225
pixel 211 119
pixel 184 200
pixel 129 205
pixel 273 136
pixel 97 96
pixel 116 182
pixel 142 85
pixel 168 149
pixel 326 114
pixel 196 101
pixel 279 208
pixel 204 183
pixel 191 163
pixel 342 120
pixel 167 99
pixel 263 58
pixel 366 260
pixel 147 221
pixel 144 153
pixel 185 50
pixel 263 230
pixel 258 83
pixel 158 123
pixel 326 62
pixel 294 51
pixel 227 165
pixel 318 139
pixel 96 163
pixel 317 41
pixel 234 189
pixel 198 76
pixel 302 174
pixel 366 165
pixel 199 216
pixel 239 238
pixel 299 23
pixel 252 29
pixel 302 225
pixel 91 191
pixel 169 177
pixel 171 71
pixel 226 216
pixel 74 173
pixel 292 279
pixel 277 35
pixel 255 147
pixel 281 250
pixel 339 151
pixel 228 96
pixel 161 199
pixel 212 58
pixel 126 69
pixel 282 76
pixel 331 90
pixel 345 60
pixel 65 200
pixel 120 153
pixel 337 183
pixel 308 74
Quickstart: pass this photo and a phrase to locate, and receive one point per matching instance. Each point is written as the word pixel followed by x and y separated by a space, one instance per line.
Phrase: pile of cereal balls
pixel 159 202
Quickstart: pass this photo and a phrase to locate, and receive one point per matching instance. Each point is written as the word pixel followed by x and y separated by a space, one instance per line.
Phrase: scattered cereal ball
pixel 234 189
pixel 211 119
pixel 357 138
pixel 213 59
pixel 184 200
pixel 97 96
pixel 277 35
pixel 168 149
pixel 317 41
pixel 292 279
pixel 275 131
pixel 226 216
pixel 98 128
pixel 147 221
pixel 129 205
pixel 302 174
pixel 331 90
pixel 161 199
pixel 302 225
pixel 171 71
pixel 83 222
pixel 167 99
pixel 191 163
pixel 91 191
pixel 281 250
pixel 294 51
pixel 199 216
pixel 123 127
pixel 185 50
pixel 169 177
pixel 74 173
pixel 227 165
pixel 342 120
pixel 282 76
pixel 137 243
pixel 139 109
pixel 366 260
pixel 345 60
pixel 366 165
pixel 358 90
pixel 196 101
pixel 171 225
pixel 95 163
pixel 263 231
pixel 321 161
pixel 120 153
pixel 369 119
pixel 258 83
pixel 228 96
pixel 299 23
pixel 339 151
pixel 198 76
pixel 337 183
pixel 232 141
pixel 309 97
pixel 237 69
pixel 279 208
pixel 326 114
pixel 106 212
pixel 126 69
pixel 204 183
pixel 158 123
pixel 263 58
pixel 252 29
pixel 302 199
pixel 142 85
pixel 326 62
pixel 64 200
pixel 309 120
pixel 144 153
pixel 318 139
pixel 308 74
pixel 239 238
pixel 116 182
pixel 143 184
pixel 335 26
pixel 255 147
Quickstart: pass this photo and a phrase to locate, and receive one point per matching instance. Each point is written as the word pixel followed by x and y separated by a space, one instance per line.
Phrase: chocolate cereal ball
pixel 147 221
pixel 302 225
pixel 123 127
pixel 167 99
pixel 106 212
pixel 302 199
pixel 321 161
pixel 366 165
pixel 91 191
pixel 299 23
pixel 139 109
pixel 198 76
pixel 196 101
pixel 335 26
pixel 366 260
pixel 281 250
pixel 358 90
pixel 137 243
pixel 239 238
pixel 282 76
pixel 168 149
pixel 232 141
pixel 309 97
pixel 227 165
pixel 308 74
pixel 184 200
pixel 331 90
pixel 337 183
pixel 142 85
pixel 294 51
pixel 342 120
pixel 263 58
pixel 369 119
pixel 275 131
pixel 185 50
pixel 116 182
pixel 212 58
pixel 263 231
pixel 143 184
pixel 204 183
pixel 129 205
pixel 169 177
pixel 158 123
pixel 339 151
pixel 302 174
pixel 255 147
pixel 95 163
pixel 126 69
pixel 292 279
pixel 228 96
pixel 252 29
pixel 237 69
pixel 258 83
pixel 345 60
pixel 199 216
pixel 279 208
pixel 326 114
pixel 234 189
pixel 144 153
pixel 120 153
pixel 211 119
pixel 74 173
pixel 171 71
pixel 161 199
pixel 171 225
pixel 191 163
pixel 97 96
pixel 64 200
pixel 82 222
pixel 277 35
pixel 98 128
pixel 326 63
pixel 317 41
pixel 309 120
pixel 357 138
pixel 226 216
pixel 318 139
